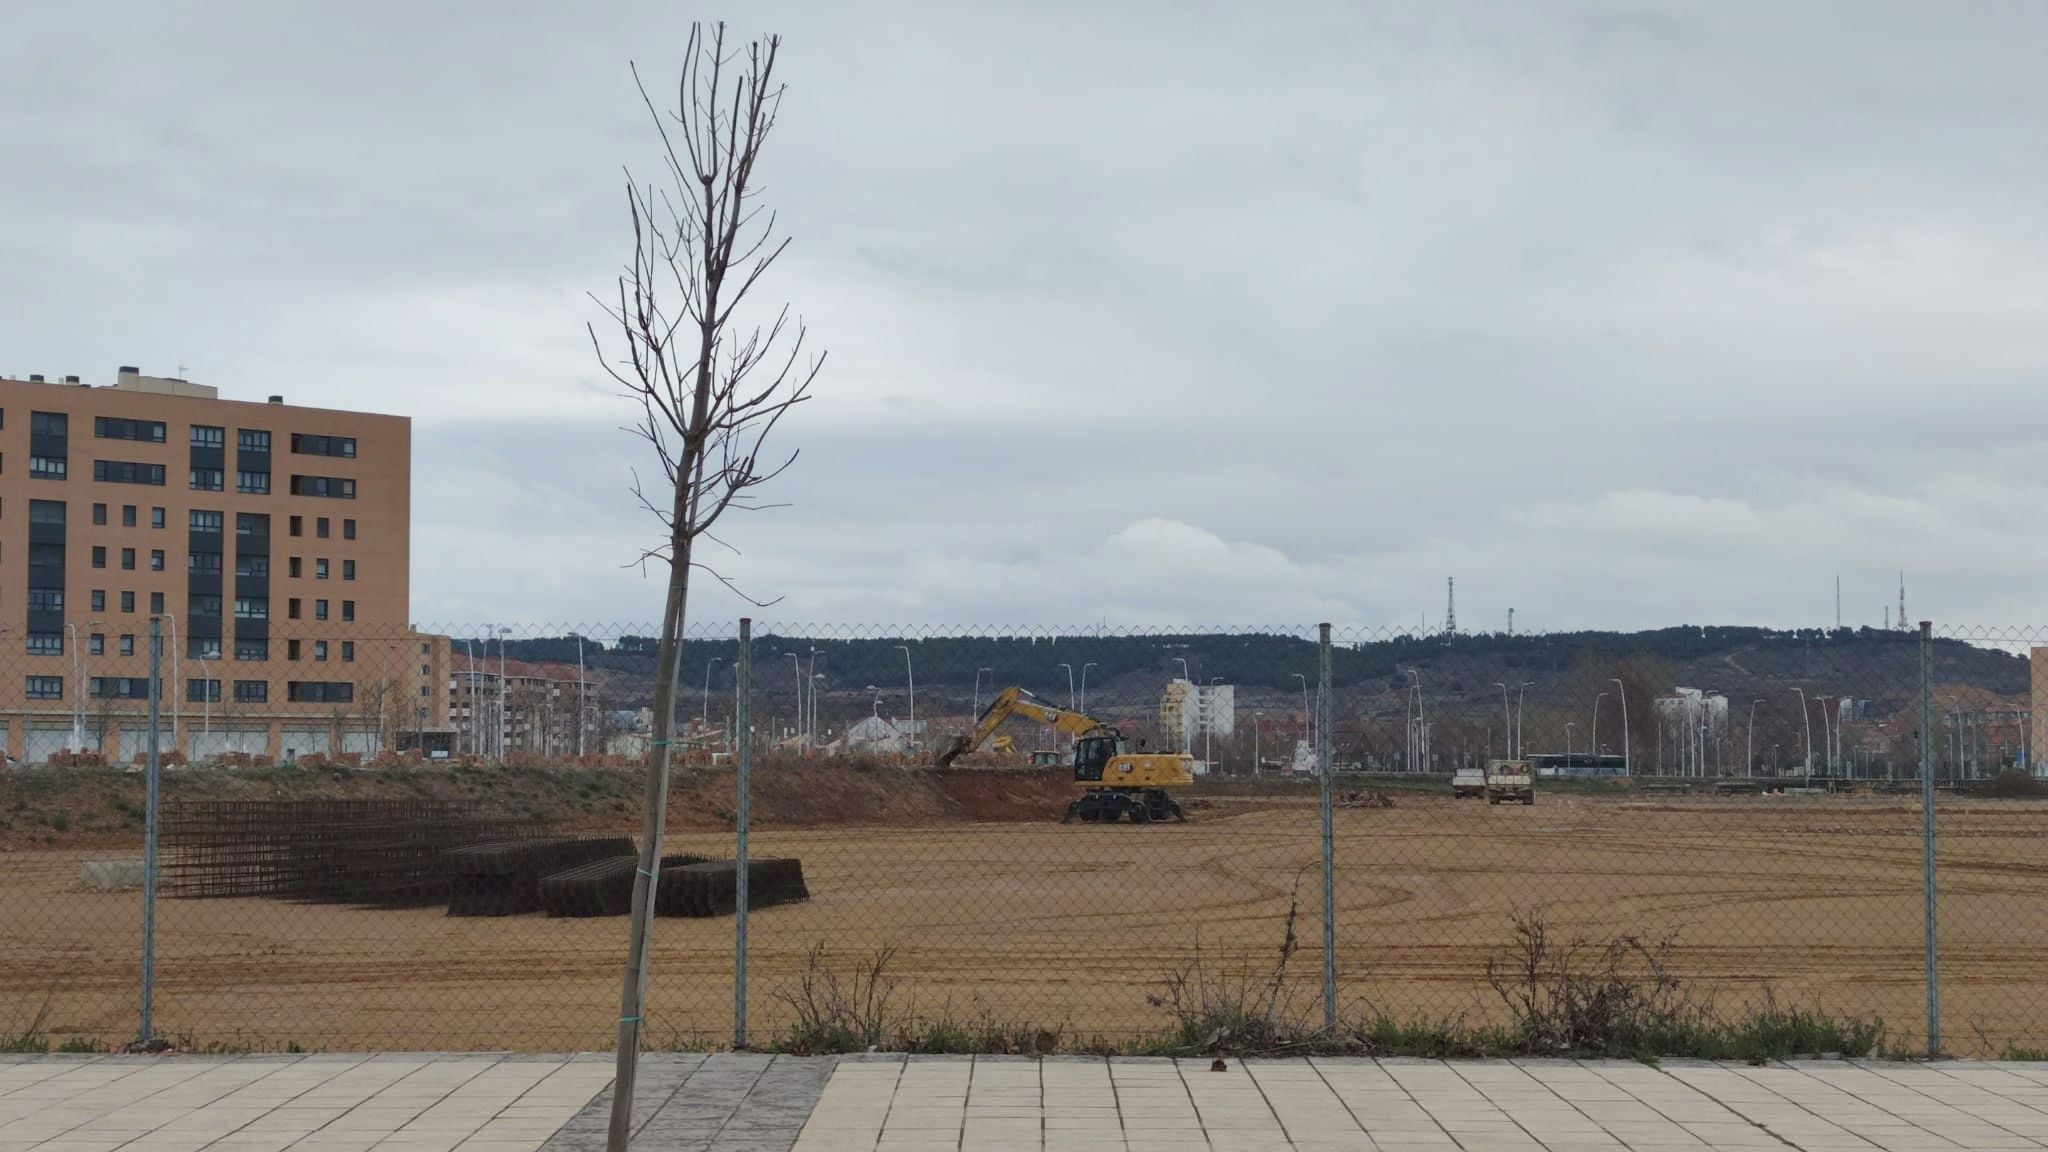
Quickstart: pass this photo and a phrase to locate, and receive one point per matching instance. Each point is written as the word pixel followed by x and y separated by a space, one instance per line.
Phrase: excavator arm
pixel 1014 702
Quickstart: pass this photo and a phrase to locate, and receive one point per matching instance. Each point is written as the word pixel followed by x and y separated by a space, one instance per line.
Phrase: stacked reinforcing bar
pixel 601 887
pixel 711 888
pixel 387 853
pixel 503 879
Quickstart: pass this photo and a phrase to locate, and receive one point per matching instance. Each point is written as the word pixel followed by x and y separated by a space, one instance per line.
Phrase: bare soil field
pixel 1813 900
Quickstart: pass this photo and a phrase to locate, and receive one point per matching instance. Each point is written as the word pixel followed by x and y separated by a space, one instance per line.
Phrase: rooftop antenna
pixel 1511 621
pixel 1450 605
pixel 1887 617
pixel 1838 602
pixel 1902 601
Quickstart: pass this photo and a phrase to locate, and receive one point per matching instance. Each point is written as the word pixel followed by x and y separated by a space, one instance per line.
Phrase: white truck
pixel 1468 783
pixel 1510 781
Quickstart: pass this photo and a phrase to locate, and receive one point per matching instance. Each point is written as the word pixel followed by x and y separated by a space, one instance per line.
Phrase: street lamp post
pixel 1209 718
pixel 504 720
pixel 178 685
pixel 811 682
pixel 1519 694
pixel 910 681
pixel 1626 763
pixel 1308 718
pixel 1422 725
pixel 1258 720
pixel 1183 662
pixel 1508 716
pixel 1593 738
pixel 796 672
pixel 580 721
pixel 977 689
pixel 1084 686
pixel 704 717
pixel 1568 726
pixel 1070 685
pixel 1806 720
pixel 1749 746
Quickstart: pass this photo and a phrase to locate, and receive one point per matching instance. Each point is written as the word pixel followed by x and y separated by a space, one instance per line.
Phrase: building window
pixel 120 688
pixel 202 562
pixel 96 644
pixel 49 424
pixel 128 603
pixel 252 524
pixel 253 482
pixel 252 440
pixel 348 651
pixel 293 566
pixel 207 436
pixel 46 512
pixel 319 609
pixel 320 527
pixel 47 467
pixel 156 559
pixel 156 603
pixel 202 691
pixel 128 559
pixel 291 608
pixel 291 649
pixel 348 569
pixel 252 565
pixel 156 517
pixel 130 472
pixel 99 556
pixel 320 651
pixel 202 648
pixel 46 687
pixel 320 568
pixel 99 599
pixel 298 526
pixel 127 515
pixel 203 605
pixel 114 428
pixel 306 445
pixel 46 599
pixel 423 652
pixel 208 479
pixel 128 644
pixel 46 643
pixel 252 608
pixel 207 521
pixel 333 487
pixel 252 691
pixel 47 559
pixel 348 610
pixel 251 650
pixel 318 691
pixel 99 513
pixel 348 529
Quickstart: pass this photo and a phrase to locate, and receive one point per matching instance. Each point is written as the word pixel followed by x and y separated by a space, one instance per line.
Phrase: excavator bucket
pixel 954 749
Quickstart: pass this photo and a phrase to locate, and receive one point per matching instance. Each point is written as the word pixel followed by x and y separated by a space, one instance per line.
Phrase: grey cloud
pixel 1623 312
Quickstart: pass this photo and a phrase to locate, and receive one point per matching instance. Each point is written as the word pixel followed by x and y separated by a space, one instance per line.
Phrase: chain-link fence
pixel 1737 809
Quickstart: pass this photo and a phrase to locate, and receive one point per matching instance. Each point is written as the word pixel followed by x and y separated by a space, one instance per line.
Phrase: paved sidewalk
pixel 753 1103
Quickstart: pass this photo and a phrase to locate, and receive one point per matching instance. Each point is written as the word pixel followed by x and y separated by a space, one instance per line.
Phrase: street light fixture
pixel 910 678
pixel 1749 747
pixel 977 688
pixel 1519 694
pixel 1806 720
pixel 1308 719
pixel 1070 684
pixel 1568 726
pixel 1209 719
pixel 1593 737
pixel 704 717
pixel 504 720
pixel 1084 686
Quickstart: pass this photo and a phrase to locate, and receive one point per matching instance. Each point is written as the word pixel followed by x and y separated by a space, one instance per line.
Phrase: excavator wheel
pixel 1141 812
pixel 1177 813
pixel 1073 809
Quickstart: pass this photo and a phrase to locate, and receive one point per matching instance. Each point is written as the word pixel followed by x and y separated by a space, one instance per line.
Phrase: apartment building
pixel 498 707
pixel 272 542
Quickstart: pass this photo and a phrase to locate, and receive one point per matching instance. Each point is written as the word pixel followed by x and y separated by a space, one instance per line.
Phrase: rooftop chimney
pixel 35 378
pixel 277 399
pixel 129 370
pixel 71 379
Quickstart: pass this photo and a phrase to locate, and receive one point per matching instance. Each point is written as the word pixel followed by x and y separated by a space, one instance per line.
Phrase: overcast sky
pixel 1624 314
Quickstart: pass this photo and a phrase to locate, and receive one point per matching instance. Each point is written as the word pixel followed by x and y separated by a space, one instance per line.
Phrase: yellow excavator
pixel 1114 782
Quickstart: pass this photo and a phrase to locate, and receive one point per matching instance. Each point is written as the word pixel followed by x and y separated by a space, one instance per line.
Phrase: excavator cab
pixel 1093 752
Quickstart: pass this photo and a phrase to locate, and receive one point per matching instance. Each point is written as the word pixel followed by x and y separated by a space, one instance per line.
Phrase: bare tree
pixel 710 389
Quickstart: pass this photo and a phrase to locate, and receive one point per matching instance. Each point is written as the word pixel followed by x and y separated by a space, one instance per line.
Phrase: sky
pixel 1623 314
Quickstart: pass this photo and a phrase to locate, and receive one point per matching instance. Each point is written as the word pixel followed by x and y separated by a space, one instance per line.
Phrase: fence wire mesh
pixel 417 850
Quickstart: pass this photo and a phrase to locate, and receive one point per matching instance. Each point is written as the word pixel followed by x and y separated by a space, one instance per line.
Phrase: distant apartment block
pixel 271 541
pixel 499 707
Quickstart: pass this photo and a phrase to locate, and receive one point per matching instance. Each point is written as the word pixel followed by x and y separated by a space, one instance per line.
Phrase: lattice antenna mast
pixel 1450 605
pixel 1902 601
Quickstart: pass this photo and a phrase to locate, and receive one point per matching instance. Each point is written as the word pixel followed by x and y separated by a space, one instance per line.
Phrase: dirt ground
pixel 1809 899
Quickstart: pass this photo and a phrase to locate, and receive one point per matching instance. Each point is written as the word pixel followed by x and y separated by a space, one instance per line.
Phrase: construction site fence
pixel 347 845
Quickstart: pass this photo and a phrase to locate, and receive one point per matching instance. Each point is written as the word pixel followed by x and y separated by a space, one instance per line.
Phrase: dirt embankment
pixel 100 807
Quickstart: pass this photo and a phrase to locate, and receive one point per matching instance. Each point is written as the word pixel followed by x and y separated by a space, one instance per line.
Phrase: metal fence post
pixel 743 677
pixel 149 818
pixel 1329 769
pixel 1927 834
